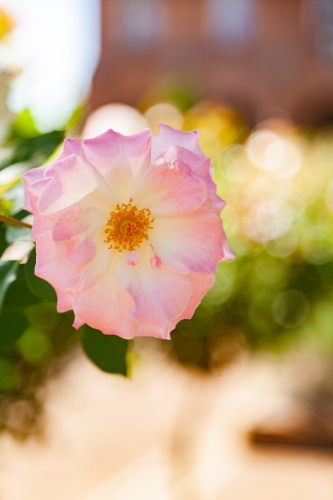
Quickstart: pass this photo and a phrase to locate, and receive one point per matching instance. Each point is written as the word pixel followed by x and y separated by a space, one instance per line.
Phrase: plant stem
pixel 14 222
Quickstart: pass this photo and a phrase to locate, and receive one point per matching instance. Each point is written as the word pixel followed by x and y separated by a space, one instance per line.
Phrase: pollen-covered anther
pixel 128 227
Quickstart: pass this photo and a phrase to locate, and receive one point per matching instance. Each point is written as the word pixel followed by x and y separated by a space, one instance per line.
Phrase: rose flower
pixel 128 230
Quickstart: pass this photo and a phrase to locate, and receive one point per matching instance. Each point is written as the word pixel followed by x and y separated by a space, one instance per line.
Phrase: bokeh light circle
pixel 119 117
pixel 290 308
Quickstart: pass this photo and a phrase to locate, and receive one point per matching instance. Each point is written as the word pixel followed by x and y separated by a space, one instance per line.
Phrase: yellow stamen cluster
pixel 128 227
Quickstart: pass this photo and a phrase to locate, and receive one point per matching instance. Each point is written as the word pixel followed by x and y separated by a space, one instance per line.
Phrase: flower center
pixel 128 227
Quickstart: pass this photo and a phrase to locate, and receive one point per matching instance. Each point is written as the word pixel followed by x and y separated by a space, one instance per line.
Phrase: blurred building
pixel 264 57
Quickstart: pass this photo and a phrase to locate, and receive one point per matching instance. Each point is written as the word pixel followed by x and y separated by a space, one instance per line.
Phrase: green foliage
pixel 34 150
pixel 8 272
pixel 38 286
pixel 34 346
pixel 3 242
pixel 12 326
pixel 9 377
pixel 76 118
pixel 18 295
pixel 5 207
pixel 43 316
pixel 24 125
pixel 108 352
pixel 181 96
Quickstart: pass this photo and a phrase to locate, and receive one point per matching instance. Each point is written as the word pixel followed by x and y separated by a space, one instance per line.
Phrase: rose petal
pixel 169 190
pixel 79 252
pixel 155 260
pixel 171 137
pixel 33 190
pixel 133 258
pixel 200 165
pixel 65 301
pixel 119 159
pixel 189 243
pixel 74 221
pixel 51 257
pixel 201 284
pixel 34 175
pixel 71 147
pixel 158 294
pixel 106 307
pixel 96 268
pixel 77 323
pixel 40 225
pixel 228 253
pixel 74 182
pixel 160 332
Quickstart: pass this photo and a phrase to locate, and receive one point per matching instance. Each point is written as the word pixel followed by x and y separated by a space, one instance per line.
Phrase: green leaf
pixel 21 214
pixel 18 294
pixel 34 346
pixel 12 326
pixel 33 149
pixel 38 286
pixel 43 316
pixel 108 352
pixel 9 377
pixel 24 125
pixel 3 242
pixel 8 272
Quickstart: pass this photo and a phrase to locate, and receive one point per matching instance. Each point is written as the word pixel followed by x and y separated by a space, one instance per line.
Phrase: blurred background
pixel 239 404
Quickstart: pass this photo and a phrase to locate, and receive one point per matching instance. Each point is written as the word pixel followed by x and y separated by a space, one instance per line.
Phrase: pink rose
pixel 128 230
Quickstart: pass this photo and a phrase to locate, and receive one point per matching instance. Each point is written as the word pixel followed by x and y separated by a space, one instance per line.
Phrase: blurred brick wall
pixel 278 65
